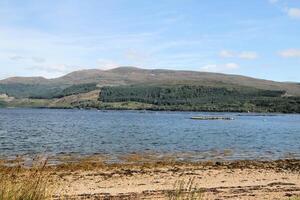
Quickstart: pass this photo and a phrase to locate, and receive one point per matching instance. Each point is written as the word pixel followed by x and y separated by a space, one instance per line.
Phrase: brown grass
pixel 17 183
pixel 294 198
pixel 185 191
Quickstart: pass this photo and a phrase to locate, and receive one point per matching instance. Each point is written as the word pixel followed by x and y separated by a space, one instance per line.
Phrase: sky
pixel 257 38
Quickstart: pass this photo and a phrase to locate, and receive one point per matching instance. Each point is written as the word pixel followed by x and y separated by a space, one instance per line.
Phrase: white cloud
pixel 137 57
pixel 226 54
pixel 290 53
pixel 220 68
pixel 273 1
pixel 32 52
pixel 231 66
pixel 58 69
pixel 38 59
pixel 35 59
pixel 105 64
pixel 17 58
pixel 52 71
pixel 249 55
pixel 293 13
pixel 210 67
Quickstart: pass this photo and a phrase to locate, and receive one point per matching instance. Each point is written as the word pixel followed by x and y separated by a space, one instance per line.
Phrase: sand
pixel 237 180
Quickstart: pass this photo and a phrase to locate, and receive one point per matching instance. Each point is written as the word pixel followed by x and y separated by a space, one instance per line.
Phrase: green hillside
pixel 134 88
pixel 200 98
pixel 37 91
pixel 19 90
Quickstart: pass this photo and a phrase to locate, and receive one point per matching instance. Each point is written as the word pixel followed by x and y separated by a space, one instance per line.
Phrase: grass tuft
pixel 185 191
pixel 295 198
pixel 16 183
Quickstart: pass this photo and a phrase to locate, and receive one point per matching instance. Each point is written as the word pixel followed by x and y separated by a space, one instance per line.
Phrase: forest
pixel 39 91
pixel 203 98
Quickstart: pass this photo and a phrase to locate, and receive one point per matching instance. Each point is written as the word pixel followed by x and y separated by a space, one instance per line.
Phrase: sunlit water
pixel 87 132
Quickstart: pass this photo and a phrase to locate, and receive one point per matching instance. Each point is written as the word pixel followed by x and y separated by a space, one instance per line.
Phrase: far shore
pixel 243 113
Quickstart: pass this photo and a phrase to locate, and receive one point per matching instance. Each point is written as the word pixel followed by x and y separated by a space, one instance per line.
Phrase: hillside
pixel 134 88
pixel 131 75
pixel 198 98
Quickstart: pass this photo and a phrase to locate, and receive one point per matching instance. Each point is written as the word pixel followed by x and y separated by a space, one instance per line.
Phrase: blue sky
pixel 258 38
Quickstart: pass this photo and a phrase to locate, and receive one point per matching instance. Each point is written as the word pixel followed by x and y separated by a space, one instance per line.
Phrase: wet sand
pixel 216 180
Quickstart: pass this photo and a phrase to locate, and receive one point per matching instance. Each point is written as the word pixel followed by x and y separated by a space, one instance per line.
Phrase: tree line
pixel 203 98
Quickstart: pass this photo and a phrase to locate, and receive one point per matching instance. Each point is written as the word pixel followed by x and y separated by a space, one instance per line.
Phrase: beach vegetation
pixel 17 183
pixel 185 190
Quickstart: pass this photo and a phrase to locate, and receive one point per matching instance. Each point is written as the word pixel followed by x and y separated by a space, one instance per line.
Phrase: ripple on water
pixel 114 133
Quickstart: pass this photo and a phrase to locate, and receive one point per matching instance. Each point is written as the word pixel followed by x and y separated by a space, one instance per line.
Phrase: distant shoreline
pixel 155 110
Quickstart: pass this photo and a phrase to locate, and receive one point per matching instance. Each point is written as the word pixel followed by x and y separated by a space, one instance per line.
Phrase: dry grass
pixel 185 191
pixel 17 183
pixel 294 198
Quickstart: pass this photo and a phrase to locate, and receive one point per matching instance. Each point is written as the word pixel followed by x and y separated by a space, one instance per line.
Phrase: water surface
pixel 88 132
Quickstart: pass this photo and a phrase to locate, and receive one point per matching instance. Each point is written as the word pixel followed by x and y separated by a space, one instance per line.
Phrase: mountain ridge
pixel 134 75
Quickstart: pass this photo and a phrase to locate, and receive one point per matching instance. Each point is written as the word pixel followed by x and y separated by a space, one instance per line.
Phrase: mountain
pixel 152 89
pixel 132 75
pixel 25 80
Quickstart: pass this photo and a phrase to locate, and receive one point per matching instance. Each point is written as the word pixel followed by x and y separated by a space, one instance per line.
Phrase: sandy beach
pixel 91 178
pixel 215 180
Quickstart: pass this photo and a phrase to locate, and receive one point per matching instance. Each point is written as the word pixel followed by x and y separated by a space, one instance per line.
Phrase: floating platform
pixel 212 118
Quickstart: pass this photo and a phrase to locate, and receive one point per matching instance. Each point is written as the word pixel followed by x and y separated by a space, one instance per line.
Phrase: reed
pixel 17 183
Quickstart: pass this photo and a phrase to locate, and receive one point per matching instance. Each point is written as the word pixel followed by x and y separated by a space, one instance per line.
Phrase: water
pixel 88 132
